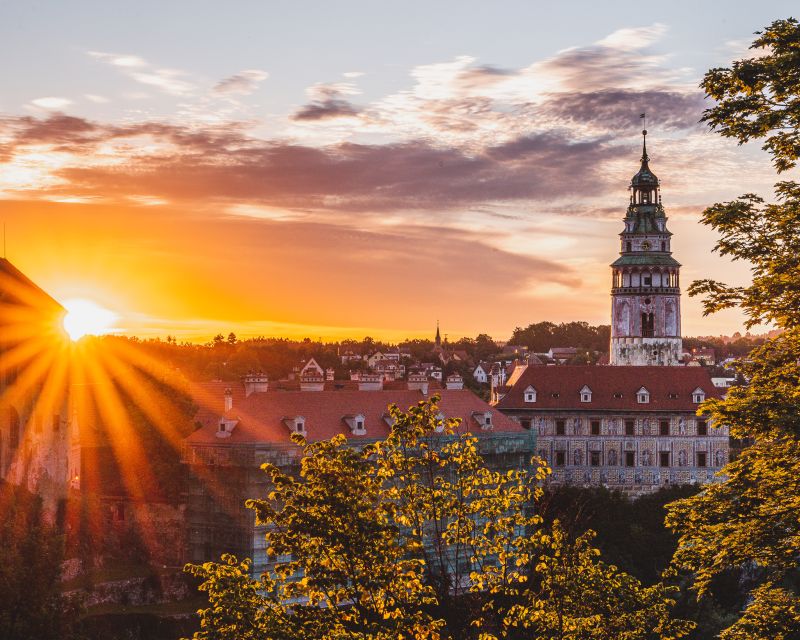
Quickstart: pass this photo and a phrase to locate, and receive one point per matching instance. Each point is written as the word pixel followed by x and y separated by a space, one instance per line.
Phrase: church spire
pixel 438 335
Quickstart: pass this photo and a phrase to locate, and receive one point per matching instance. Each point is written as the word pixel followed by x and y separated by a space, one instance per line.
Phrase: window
pixel 628 246
pixel 594 458
pixel 526 423
pixel 663 459
pixel 530 394
pixel 560 457
pixel 560 427
pixel 701 458
pixel 359 424
pixel 647 280
pixel 586 394
pixel 663 246
pixel 555 394
pixel 618 395
pixel 672 395
pixel 663 427
pixel 630 428
pixel 595 427
pixel 488 420
pixel 702 428
pixel 643 396
pixel 648 324
pixel 698 395
pixel 629 458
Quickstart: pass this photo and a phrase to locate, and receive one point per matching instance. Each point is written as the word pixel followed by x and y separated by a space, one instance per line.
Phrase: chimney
pixel 255 383
pixel 228 399
pixel 312 381
pixel 418 382
pixel 455 381
pixel 370 382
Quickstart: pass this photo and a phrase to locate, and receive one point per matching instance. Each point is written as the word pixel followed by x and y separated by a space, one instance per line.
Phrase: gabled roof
pixel 260 415
pixel 17 288
pixel 607 382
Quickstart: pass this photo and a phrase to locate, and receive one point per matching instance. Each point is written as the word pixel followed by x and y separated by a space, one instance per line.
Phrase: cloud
pixel 328 102
pixel 242 83
pixel 170 81
pixel 618 109
pixel 188 164
pixel 51 102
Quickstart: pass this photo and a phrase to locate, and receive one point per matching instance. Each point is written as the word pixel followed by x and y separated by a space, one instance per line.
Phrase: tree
pixel 31 604
pixel 415 537
pixel 748 522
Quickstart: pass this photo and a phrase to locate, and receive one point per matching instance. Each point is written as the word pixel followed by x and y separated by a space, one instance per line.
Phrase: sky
pixel 360 168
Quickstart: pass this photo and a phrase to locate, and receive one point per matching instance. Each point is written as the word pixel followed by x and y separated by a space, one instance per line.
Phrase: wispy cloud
pixel 327 102
pixel 51 103
pixel 242 83
pixel 170 81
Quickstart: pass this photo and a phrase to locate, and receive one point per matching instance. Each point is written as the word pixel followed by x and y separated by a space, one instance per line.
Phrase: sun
pixel 85 317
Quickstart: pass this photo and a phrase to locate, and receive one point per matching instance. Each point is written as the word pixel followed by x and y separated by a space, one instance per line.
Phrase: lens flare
pixel 85 317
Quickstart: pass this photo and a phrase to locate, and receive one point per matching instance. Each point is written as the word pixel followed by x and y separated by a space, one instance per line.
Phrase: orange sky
pixel 483 190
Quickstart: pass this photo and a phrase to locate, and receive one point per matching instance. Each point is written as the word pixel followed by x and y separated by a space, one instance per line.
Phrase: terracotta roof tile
pixel 260 416
pixel 613 388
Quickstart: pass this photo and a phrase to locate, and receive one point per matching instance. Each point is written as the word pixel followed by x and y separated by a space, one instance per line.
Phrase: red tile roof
pixel 260 416
pixel 605 382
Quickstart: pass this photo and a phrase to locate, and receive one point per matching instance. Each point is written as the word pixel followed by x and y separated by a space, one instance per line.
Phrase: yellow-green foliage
pixel 415 537
pixel 751 521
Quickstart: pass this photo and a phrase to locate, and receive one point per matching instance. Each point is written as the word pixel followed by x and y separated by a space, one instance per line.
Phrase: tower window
pixel 648 328
pixel 647 280
pixel 628 246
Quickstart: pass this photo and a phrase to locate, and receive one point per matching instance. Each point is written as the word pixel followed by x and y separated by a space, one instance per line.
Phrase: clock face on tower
pixel 646 245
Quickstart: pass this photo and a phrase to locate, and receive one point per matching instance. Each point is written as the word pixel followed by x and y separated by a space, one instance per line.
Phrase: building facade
pixel 633 425
pixel 247 425
pixel 38 433
pixel 629 428
pixel 645 294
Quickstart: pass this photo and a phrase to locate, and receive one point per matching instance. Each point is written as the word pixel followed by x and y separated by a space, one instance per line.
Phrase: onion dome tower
pixel 645 293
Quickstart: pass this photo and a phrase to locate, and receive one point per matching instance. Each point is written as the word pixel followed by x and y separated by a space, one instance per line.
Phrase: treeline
pixel 228 358
pixel 541 336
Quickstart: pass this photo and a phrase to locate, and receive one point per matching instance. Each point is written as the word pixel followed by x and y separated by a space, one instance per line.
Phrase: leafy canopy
pixel 749 522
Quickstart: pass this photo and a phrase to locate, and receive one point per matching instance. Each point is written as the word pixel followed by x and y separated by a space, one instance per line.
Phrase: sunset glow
pixel 85 317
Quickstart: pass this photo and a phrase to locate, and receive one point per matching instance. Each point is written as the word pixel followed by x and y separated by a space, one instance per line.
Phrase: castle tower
pixel 645 293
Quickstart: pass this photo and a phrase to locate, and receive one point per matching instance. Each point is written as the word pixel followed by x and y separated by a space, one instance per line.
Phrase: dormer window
pixel 643 396
pixel 296 424
pixel 530 394
pixel 586 394
pixel 698 395
pixel 357 424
